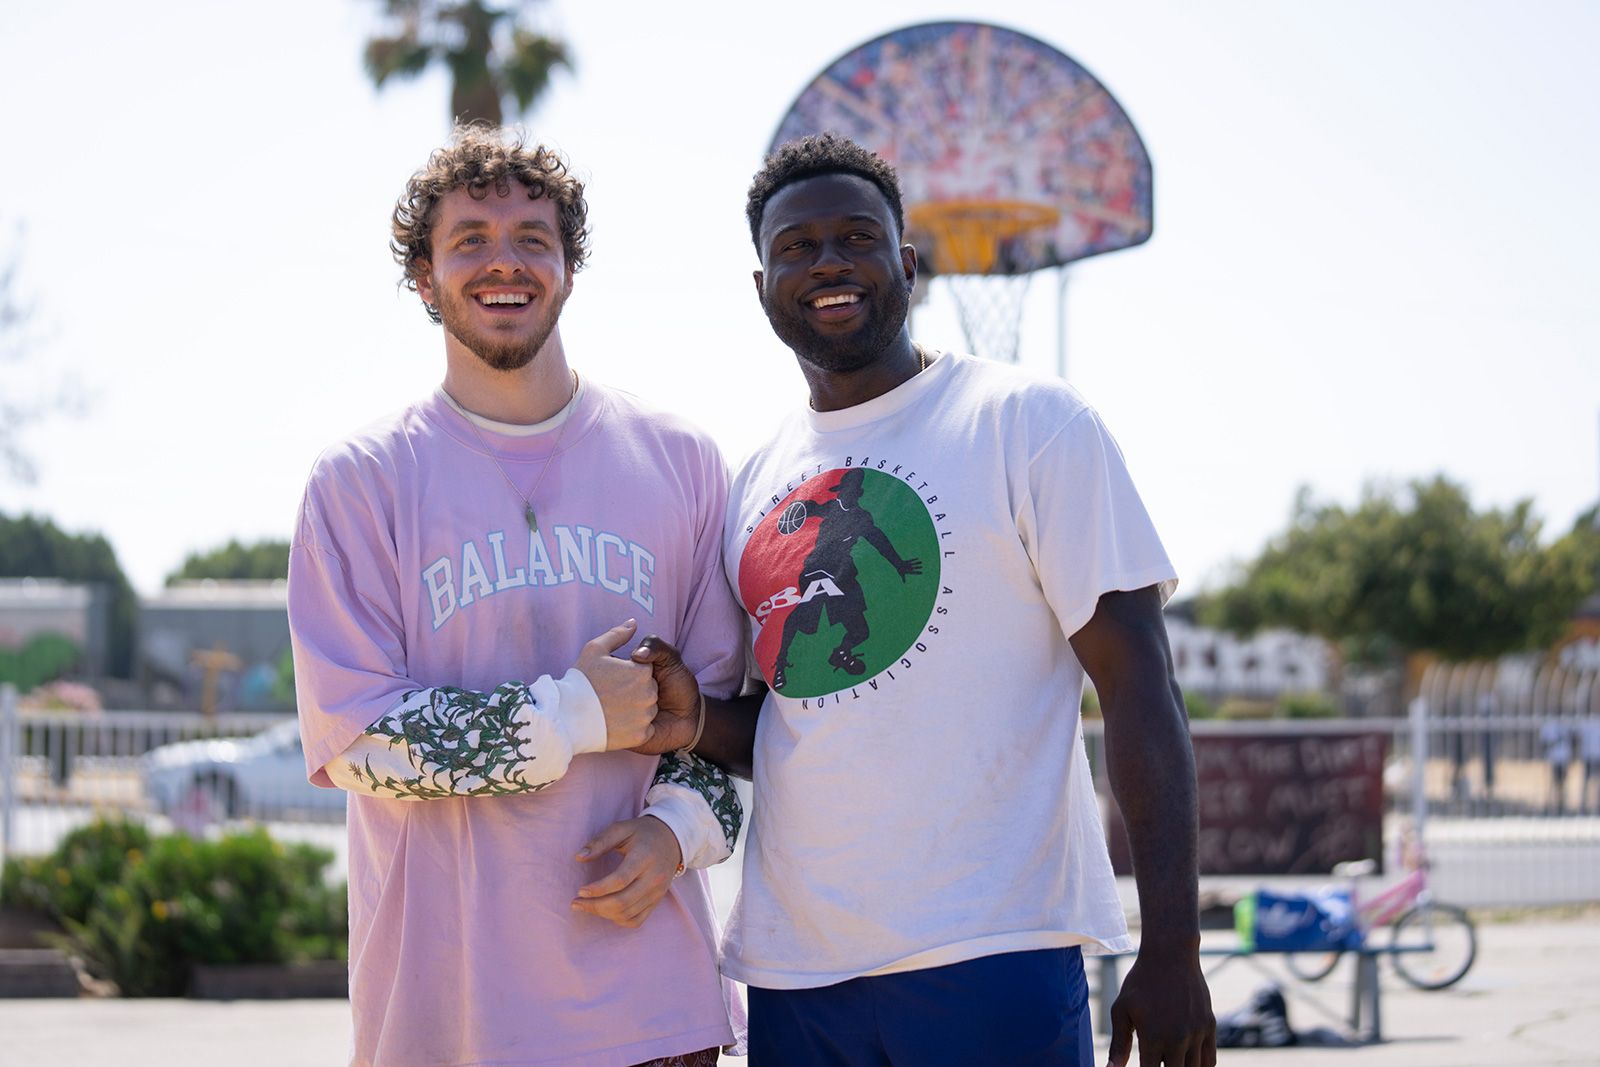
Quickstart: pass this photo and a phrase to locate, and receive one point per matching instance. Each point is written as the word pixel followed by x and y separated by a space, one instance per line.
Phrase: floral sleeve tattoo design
pixel 712 783
pixel 460 742
pixel 448 742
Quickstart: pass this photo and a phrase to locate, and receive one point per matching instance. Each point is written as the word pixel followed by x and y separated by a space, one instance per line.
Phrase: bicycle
pixel 1432 944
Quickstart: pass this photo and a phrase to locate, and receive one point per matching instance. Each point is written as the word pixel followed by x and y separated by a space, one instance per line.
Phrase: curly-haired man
pixel 926 863
pixel 461 574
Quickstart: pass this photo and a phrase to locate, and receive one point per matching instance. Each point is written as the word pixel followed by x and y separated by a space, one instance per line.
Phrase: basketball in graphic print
pixel 793 517
pixel 842 577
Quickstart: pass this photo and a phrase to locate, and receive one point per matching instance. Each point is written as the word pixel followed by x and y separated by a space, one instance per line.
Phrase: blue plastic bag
pixel 1297 922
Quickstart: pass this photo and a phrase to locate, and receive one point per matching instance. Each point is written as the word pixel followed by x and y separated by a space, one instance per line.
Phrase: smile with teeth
pixel 836 300
pixel 489 299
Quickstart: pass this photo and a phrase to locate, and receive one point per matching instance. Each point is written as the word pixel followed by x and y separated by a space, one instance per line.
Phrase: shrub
pixel 24 884
pixel 46 657
pixel 62 695
pixel 1240 708
pixel 1308 706
pixel 1089 703
pixel 63 884
pixel 1199 705
pixel 141 910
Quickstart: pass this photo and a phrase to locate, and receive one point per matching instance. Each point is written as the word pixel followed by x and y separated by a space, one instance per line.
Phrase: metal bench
pixel 1365 1002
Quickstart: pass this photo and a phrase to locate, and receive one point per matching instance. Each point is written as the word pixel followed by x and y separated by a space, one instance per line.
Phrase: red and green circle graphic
pixel 842 576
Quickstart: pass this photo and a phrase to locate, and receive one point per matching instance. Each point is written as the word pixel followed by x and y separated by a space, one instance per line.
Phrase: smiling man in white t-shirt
pixel 932 554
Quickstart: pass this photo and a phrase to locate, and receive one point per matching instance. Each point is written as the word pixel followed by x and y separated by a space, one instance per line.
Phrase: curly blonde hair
pixel 480 156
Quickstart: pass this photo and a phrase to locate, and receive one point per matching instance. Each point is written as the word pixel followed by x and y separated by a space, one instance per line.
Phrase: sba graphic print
pixel 841 576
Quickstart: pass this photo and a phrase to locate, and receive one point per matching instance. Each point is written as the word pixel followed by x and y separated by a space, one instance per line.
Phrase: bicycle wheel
pixel 1312 966
pixel 1435 945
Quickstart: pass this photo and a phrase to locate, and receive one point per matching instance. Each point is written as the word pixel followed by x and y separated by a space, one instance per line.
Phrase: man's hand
pixel 650 858
pixel 908 566
pixel 1165 1001
pixel 677 697
pixel 627 691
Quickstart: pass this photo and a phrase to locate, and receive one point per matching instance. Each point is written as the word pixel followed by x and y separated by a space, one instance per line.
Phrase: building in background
pixel 1264 666
pixel 39 616
pixel 216 646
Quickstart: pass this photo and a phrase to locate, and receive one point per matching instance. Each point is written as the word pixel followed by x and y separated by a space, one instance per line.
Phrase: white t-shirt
pixel 913 567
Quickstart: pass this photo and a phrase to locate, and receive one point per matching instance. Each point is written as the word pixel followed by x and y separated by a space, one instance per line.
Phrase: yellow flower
pixel 63 876
pixel 135 857
pixel 158 908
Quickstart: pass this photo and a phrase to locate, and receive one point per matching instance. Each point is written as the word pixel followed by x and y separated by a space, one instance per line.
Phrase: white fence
pixel 185 770
pixel 1516 737
pixel 1497 808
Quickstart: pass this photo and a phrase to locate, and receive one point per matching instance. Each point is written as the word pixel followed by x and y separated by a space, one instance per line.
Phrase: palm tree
pixel 490 54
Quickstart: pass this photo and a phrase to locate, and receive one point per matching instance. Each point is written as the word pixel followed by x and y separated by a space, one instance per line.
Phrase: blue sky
pixel 1374 257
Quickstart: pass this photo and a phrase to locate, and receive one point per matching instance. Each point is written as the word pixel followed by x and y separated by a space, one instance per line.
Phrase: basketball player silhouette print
pixel 829 587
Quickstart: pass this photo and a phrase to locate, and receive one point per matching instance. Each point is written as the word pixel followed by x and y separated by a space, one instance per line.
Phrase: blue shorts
pixel 1017 1008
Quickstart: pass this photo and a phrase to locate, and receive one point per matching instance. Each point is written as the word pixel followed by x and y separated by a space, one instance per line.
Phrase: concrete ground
pixel 1532 998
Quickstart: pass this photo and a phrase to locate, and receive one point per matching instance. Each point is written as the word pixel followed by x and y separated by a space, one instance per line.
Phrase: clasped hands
pixel 651 703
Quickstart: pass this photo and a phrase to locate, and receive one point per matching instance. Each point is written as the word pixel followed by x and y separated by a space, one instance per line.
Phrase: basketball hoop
pixel 1012 158
pixel 965 243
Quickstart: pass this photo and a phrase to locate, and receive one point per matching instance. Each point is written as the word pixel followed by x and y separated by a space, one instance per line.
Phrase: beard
pixel 510 354
pixel 842 353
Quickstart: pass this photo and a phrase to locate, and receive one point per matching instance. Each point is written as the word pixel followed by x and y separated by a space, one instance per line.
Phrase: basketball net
pixel 965 239
pixel 990 309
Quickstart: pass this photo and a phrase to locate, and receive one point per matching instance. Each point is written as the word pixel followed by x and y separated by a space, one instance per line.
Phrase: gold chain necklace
pixel 922 365
pixel 527 500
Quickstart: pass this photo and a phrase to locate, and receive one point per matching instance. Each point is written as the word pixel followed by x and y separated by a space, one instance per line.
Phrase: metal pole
pixel 1419 760
pixel 1110 985
pixel 1061 322
pixel 9 765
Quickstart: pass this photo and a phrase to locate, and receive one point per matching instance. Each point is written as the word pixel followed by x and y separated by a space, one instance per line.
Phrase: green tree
pixel 493 57
pixel 283 679
pixel 1414 570
pixel 44 658
pixel 36 548
pixel 261 560
pixel 1584 543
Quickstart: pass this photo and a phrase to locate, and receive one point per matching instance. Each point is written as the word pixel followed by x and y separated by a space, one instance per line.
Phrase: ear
pixel 908 263
pixel 425 282
pixel 760 280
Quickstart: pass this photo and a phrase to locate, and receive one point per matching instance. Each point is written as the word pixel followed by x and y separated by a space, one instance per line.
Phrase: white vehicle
pixel 212 779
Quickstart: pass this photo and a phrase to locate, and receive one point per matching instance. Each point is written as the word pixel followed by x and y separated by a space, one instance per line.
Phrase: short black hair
pixel 809 157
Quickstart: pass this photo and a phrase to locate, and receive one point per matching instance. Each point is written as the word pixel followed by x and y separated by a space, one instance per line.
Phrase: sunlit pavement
pixel 1532 998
